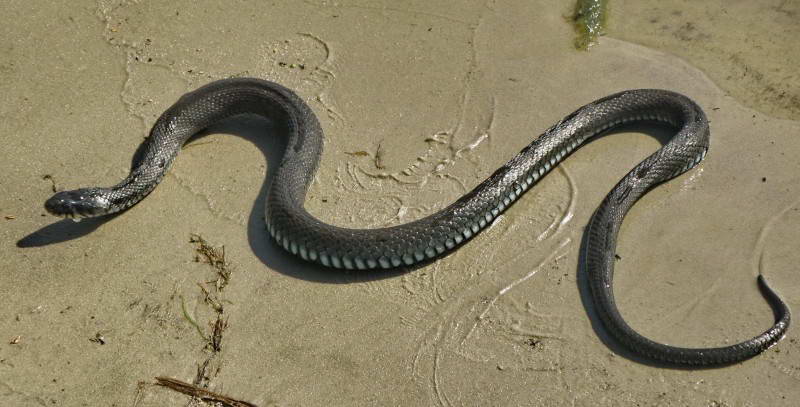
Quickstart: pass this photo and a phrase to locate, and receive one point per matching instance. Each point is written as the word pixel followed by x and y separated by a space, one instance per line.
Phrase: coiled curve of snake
pixel 311 239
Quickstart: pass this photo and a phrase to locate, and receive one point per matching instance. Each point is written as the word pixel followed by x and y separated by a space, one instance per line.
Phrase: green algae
pixel 590 21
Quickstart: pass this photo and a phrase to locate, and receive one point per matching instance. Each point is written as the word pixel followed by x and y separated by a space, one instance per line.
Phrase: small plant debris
pixel 191 320
pixel 589 19
pixel 379 157
pixel 534 342
pixel 211 334
pixel 200 393
pixel 213 256
pixel 48 177
pixel 98 338
pixel 216 335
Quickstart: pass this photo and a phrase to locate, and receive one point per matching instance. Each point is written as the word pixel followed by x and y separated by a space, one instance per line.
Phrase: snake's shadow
pixel 597 324
pixel 662 134
pixel 62 231
pixel 276 258
pixel 271 138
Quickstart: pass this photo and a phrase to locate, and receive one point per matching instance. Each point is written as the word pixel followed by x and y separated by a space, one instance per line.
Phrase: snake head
pixel 79 203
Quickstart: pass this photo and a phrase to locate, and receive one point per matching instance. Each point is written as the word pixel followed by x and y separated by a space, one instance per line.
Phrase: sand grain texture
pixel 420 101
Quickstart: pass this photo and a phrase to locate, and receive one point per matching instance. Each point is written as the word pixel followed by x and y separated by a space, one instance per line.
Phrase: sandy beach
pixel 420 101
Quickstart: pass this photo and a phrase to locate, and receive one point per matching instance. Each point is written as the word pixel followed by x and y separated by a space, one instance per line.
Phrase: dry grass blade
pixel 200 393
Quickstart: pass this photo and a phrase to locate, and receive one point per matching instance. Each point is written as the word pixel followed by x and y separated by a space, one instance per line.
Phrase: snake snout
pixel 79 203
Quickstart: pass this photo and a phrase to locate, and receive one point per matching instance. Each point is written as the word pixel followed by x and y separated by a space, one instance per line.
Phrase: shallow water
pixel 748 48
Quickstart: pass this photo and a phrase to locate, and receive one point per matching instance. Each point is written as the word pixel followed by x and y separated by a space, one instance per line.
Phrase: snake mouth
pixel 77 204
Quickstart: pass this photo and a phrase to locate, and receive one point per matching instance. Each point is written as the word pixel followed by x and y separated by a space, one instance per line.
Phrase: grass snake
pixel 300 233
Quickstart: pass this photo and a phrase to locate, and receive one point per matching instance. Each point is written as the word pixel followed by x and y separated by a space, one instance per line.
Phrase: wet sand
pixel 420 102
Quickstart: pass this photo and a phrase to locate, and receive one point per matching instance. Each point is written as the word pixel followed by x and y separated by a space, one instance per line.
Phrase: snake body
pixel 300 233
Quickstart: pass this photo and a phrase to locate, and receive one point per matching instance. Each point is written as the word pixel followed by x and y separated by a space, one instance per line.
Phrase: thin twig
pixel 201 393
